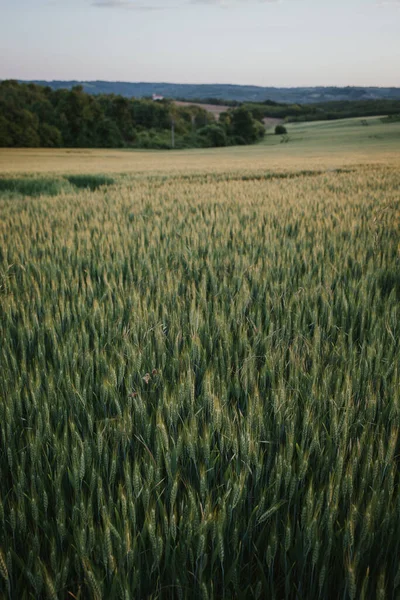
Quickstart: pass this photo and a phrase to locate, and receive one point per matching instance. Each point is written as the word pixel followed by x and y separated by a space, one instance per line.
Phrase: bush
pixel 213 135
pixel 259 130
pixel 238 140
pixel 280 130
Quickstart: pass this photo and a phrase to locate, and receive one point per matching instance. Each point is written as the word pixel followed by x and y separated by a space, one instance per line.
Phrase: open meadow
pixel 200 370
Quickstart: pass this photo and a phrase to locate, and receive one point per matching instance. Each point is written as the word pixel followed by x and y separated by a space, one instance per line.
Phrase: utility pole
pixel 172 133
pixel 193 125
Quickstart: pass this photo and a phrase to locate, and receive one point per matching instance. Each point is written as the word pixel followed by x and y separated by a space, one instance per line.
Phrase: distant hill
pixel 240 93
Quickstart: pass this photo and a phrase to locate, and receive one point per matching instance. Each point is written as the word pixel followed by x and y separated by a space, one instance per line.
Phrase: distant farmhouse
pixel 157 98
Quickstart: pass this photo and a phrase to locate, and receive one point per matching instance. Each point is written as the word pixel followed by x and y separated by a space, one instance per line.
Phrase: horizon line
pixel 198 84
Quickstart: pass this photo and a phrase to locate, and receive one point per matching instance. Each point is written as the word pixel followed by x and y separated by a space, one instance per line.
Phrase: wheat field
pixel 200 390
pixel 323 145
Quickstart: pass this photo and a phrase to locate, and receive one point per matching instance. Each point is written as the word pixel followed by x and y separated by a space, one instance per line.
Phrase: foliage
pixel 395 118
pixel 33 116
pixel 211 100
pixel 244 127
pixel 280 130
pixel 200 388
pixel 213 135
pixel 324 111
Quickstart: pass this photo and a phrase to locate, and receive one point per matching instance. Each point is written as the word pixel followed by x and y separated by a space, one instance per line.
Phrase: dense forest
pixel 37 116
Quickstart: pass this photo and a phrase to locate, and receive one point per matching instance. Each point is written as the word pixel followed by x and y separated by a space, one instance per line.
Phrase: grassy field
pixel 317 145
pixel 200 391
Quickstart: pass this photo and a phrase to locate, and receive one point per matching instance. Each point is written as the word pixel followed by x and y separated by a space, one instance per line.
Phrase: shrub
pixel 280 130
pixel 213 135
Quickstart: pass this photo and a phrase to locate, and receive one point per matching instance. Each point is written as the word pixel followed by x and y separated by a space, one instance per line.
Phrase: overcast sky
pixel 268 43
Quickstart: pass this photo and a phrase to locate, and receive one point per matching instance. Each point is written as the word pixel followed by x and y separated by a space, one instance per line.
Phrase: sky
pixel 284 43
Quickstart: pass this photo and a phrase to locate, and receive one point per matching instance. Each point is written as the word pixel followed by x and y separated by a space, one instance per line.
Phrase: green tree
pixel 108 134
pixel 6 140
pixel 24 126
pixel 50 136
pixel 213 135
pixel 245 129
pixel 32 115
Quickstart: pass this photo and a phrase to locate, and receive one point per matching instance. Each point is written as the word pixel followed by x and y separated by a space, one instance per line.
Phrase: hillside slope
pixel 242 93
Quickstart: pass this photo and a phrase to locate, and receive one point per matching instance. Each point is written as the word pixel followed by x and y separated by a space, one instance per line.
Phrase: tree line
pixel 324 111
pixel 38 116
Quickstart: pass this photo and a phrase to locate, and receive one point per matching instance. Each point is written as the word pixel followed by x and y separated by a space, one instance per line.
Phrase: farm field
pixel 200 389
pixel 215 109
pixel 319 145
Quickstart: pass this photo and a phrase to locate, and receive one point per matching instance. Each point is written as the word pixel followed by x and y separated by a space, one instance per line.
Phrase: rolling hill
pixel 241 93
